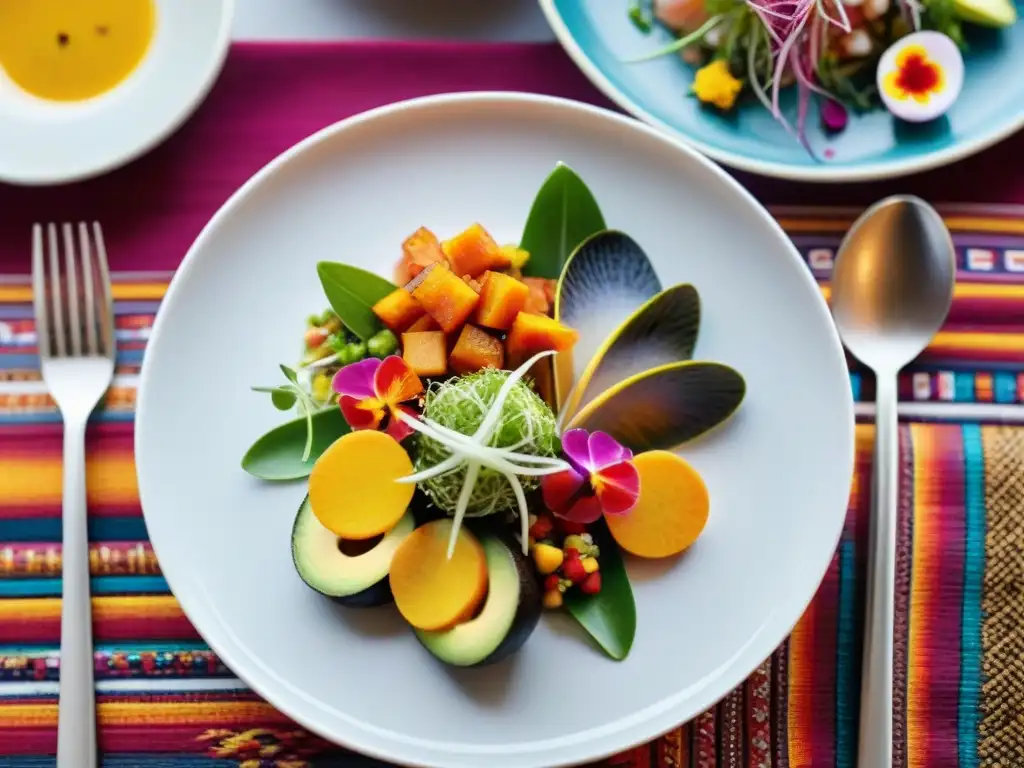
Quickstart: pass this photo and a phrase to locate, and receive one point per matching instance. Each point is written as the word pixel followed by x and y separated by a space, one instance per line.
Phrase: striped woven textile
pixel 166 700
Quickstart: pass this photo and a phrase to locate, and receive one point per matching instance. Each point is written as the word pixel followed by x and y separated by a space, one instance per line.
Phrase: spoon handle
pixel 875 747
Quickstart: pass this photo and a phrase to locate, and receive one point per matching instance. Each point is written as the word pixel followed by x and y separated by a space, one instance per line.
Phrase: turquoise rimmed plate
pixel 600 38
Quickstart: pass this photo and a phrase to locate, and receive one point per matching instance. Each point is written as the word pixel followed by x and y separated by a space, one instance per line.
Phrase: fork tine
pixel 89 293
pixel 105 300
pixel 39 292
pixel 55 292
pixel 71 278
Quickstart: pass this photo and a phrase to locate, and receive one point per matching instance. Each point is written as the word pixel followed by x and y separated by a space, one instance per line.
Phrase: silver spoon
pixel 891 290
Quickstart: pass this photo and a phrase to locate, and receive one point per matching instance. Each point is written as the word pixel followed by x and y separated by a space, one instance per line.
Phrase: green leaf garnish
pixel 278 454
pixel 641 15
pixel 563 214
pixel 283 398
pixel 290 374
pixel 352 293
pixel 609 617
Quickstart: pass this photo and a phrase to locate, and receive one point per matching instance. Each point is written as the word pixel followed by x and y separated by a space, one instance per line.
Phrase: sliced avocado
pixel 354 580
pixel 986 13
pixel 510 614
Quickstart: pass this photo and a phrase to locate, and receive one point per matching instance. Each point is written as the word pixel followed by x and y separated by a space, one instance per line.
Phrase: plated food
pixel 836 92
pixel 777 472
pixel 855 55
pixel 508 416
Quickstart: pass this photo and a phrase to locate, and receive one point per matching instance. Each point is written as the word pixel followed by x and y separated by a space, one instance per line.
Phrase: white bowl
pixel 779 471
pixel 48 142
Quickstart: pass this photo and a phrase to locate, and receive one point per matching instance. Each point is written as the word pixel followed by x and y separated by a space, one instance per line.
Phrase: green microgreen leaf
pixel 283 398
pixel 290 374
pixel 641 15
pixel 677 45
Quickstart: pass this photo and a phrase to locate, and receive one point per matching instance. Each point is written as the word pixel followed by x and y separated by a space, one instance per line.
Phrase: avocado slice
pixel 510 614
pixel 360 580
pixel 986 13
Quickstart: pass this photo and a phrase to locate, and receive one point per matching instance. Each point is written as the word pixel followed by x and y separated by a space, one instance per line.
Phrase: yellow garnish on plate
pixel 714 84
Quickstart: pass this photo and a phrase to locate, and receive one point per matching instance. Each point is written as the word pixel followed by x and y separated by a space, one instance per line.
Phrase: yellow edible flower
pixel 714 84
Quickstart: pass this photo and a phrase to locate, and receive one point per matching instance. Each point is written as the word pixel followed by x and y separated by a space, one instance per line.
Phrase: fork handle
pixel 76 725
pixel 875 745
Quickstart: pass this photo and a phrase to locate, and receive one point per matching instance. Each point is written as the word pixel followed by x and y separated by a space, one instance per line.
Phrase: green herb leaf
pixel 353 292
pixel 609 616
pixel 277 455
pixel 290 374
pixel 641 15
pixel 563 214
pixel 283 398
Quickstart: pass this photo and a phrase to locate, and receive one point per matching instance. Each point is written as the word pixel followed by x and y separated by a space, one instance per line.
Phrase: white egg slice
pixel 920 76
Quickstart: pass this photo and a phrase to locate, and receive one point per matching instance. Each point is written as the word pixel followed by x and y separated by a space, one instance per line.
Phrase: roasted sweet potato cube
pixel 476 349
pixel 542 295
pixel 425 323
pixel 425 352
pixel 445 297
pixel 517 256
pixel 473 252
pixel 501 299
pixel 531 334
pixel 398 310
pixel 420 250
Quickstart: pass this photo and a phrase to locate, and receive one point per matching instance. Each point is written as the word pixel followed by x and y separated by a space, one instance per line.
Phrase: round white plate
pixel 779 472
pixel 47 142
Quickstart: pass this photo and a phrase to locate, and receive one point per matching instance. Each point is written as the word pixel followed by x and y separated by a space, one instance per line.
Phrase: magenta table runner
pixel 165 700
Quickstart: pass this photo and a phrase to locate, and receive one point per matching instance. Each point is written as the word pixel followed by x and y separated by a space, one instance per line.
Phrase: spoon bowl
pixel 893 282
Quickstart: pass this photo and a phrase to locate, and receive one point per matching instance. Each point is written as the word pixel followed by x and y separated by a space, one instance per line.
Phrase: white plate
pixel 45 142
pixel 779 472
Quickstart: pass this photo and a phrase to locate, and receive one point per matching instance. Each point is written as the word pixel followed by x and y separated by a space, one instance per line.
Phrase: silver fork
pixel 75 324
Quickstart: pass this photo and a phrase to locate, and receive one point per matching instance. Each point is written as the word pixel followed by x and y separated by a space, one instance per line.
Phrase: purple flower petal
pixel 604 451
pixel 356 380
pixel 575 447
pixel 834 116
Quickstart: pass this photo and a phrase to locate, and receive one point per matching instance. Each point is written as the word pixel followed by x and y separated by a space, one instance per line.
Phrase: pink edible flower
pixel 601 480
pixel 373 392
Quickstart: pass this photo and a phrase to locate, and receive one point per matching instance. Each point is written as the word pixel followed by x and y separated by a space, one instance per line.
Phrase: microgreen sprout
pixel 494 458
pixel 285 396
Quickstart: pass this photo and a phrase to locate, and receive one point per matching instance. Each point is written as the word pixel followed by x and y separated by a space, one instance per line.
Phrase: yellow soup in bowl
pixel 71 50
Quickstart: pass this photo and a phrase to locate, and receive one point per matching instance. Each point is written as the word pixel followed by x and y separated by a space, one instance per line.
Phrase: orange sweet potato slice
pixel 425 352
pixel 352 487
pixel 444 296
pixel 473 252
pixel 501 299
pixel 531 334
pixel 671 511
pixel 476 349
pixel 431 591
pixel 398 310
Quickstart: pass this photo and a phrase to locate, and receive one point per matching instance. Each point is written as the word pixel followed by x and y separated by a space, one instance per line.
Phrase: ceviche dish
pixel 906 56
pixel 491 432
